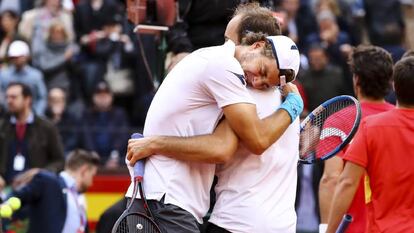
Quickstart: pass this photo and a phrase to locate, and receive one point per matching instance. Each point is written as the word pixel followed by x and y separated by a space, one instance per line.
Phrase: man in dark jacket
pixel 27 142
pixel 55 201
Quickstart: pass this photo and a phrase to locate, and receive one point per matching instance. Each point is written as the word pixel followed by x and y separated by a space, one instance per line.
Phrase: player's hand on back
pixel 25 177
pixel 139 149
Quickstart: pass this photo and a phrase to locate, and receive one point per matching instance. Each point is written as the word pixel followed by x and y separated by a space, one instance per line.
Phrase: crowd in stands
pixel 90 86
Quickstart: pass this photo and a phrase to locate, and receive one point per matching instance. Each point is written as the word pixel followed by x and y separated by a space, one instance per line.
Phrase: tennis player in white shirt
pixel 248 188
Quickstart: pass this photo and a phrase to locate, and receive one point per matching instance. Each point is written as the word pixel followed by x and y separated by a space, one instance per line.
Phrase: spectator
pixel 27 141
pixel 114 57
pixel 372 74
pixel 9 20
pixel 383 149
pixel 343 15
pixel 105 127
pixel 336 42
pixel 20 71
pixel 392 40
pixel 379 16
pixel 300 21
pixel 54 57
pixel 323 80
pixel 67 124
pixel 89 18
pixel 55 201
pixel 197 17
pixel 35 22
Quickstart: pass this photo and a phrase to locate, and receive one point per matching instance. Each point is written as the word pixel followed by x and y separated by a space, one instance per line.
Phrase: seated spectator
pixel 90 16
pixel 379 15
pixel 116 51
pixel 56 203
pixel 9 20
pixel 20 71
pixel 36 22
pixel 105 127
pixel 54 57
pixel 392 40
pixel 300 21
pixel 67 124
pixel 111 58
pixel 323 80
pixel 196 17
pixel 336 42
pixel 27 141
pixel 89 19
pixel 343 15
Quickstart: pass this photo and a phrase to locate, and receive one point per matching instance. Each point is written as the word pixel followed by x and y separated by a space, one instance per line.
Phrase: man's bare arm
pixel 332 170
pixel 218 147
pixel 256 134
pixel 344 194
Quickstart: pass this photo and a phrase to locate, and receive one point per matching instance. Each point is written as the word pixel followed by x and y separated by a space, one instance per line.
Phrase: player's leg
pixel 169 218
pixel 212 228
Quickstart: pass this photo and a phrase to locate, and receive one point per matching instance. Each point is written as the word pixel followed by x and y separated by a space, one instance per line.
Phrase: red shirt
pixel 384 146
pixel 358 207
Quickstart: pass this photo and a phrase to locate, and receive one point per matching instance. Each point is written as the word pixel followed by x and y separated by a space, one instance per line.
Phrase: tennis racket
pixel 136 222
pixel 328 129
pixel 346 220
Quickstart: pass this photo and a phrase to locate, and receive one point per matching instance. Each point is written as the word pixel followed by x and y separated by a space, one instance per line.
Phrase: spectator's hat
pixel 287 56
pixel 102 87
pixel 18 48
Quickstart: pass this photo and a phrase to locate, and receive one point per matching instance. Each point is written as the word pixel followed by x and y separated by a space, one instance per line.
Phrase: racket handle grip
pixel 139 165
pixel 346 220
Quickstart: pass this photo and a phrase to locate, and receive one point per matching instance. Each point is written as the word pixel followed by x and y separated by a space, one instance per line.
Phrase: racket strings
pixel 136 223
pixel 330 125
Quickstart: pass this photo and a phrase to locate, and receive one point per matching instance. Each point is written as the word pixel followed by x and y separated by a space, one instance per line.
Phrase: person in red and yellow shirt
pixel 384 149
pixel 372 72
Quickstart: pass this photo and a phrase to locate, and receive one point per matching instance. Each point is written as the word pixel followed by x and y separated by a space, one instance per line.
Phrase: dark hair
pixel 256 19
pixel 10 12
pixel 374 66
pixel 26 90
pixel 78 157
pixel 408 53
pixel 404 81
pixel 13 14
pixel 318 46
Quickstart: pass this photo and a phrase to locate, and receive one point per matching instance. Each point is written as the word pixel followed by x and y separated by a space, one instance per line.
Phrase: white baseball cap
pixel 286 55
pixel 18 48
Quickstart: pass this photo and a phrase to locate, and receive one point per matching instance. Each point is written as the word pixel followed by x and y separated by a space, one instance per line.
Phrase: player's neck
pixel 238 54
pixel 75 176
pixel 406 106
pixel 363 98
pixel 23 116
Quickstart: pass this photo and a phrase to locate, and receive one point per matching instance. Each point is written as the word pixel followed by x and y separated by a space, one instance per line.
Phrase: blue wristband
pixel 293 104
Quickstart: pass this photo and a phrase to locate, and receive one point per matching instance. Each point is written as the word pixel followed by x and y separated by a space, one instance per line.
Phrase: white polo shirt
pixel 257 193
pixel 189 102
